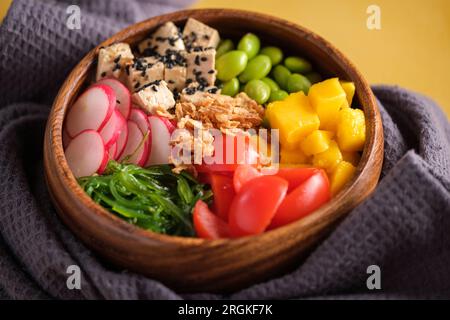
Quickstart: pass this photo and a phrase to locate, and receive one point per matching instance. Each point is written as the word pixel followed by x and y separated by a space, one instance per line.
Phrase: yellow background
pixel 412 49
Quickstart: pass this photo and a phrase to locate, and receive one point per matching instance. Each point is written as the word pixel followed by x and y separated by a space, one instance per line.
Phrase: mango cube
pixel 328 159
pixel 351 130
pixel 352 157
pixel 316 142
pixel 292 156
pixel 349 88
pixel 327 97
pixel 294 117
pixel 343 172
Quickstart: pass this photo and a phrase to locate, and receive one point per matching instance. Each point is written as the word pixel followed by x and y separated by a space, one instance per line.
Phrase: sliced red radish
pixel 65 138
pixel 112 152
pixel 111 131
pixel 122 141
pixel 86 154
pixel 135 148
pixel 123 95
pixel 161 128
pixel 138 116
pixel 92 110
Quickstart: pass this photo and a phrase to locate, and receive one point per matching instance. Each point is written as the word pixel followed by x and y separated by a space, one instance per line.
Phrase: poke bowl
pixel 202 227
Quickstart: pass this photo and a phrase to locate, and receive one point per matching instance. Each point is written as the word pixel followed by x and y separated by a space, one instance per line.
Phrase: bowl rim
pixel 117 226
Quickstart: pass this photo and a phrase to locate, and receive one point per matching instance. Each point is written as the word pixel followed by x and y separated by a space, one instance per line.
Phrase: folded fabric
pixel 403 227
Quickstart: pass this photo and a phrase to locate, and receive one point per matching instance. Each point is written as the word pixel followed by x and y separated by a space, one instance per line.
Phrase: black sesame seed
pixel 197 60
pixel 117 101
pixel 204 59
pixel 116 60
pixel 103 74
pixel 171 81
pixel 206 37
pixel 155 88
pixel 211 71
pixel 137 85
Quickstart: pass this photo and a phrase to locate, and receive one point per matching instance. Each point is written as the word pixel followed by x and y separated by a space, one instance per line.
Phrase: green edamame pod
pixel 257 68
pixel 258 91
pixel 313 77
pixel 297 64
pixel 271 83
pixel 231 64
pixel 274 53
pixel 224 47
pixel 231 88
pixel 249 44
pixel 297 82
pixel 278 95
pixel 281 74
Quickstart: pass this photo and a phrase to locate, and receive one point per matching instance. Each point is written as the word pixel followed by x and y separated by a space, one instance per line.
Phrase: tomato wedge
pixel 229 152
pixel 254 206
pixel 296 176
pixel 307 197
pixel 207 225
pixel 242 174
pixel 223 190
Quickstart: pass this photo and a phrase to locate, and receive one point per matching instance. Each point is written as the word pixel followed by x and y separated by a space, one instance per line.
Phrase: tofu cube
pixel 113 59
pixel 154 96
pixel 166 37
pixel 175 77
pixel 199 35
pixel 143 71
pixel 200 67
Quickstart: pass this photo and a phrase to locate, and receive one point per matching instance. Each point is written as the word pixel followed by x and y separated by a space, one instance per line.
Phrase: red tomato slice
pixel 223 190
pixel 207 224
pixel 303 200
pixel 229 152
pixel 243 174
pixel 296 176
pixel 254 206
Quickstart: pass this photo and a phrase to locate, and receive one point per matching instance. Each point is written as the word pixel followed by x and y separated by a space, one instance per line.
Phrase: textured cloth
pixel 403 227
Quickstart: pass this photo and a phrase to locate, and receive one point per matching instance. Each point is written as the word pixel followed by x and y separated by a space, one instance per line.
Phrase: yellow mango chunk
pixel 352 157
pixel 351 130
pixel 316 142
pixel 328 159
pixel 343 172
pixel 349 88
pixel 294 117
pixel 292 156
pixel 327 97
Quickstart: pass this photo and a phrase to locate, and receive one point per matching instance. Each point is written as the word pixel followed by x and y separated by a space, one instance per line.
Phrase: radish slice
pixel 122 141
pixel 112 151
pixel 92 110
pixel 86 154
pixel 123 95
pixel 111 131
pixel 161 129
pixel 138 116
pixel 65 138
pixel 135 138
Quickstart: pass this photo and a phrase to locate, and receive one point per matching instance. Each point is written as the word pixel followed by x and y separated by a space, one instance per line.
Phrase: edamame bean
pixel 281 74
pixel 272 84
pixel 278 95
pixel 297 82
pixel 297 64
pixel 258 91
pixel 257 68
pixel 224 47
pixel 313 77
pixel 274 53
pixel 249 44
pixel 231 64
pixel 231 88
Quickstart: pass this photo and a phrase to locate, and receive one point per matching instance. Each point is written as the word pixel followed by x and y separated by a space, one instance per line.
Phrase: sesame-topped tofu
pixel 154 96
pixel 166 37
pixel 112 60
pixel 143 71
pixel 199 35
pixel 200 67
pixel 175 77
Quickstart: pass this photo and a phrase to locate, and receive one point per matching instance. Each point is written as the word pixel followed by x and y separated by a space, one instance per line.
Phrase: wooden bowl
pixel 197 265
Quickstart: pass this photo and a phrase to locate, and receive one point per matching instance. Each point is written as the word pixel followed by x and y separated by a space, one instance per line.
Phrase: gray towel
pixel 403 227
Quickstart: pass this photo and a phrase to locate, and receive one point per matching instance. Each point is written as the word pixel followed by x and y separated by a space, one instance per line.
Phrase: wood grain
pixel 197 265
